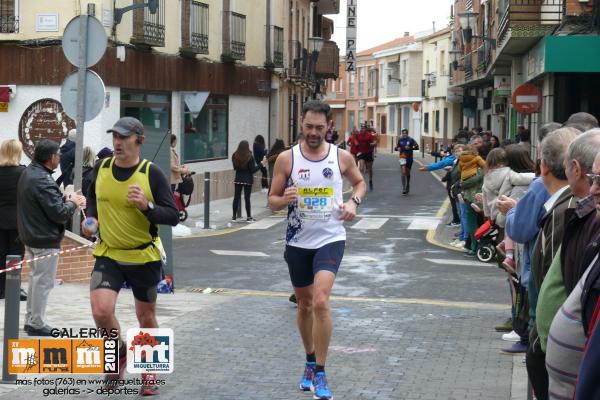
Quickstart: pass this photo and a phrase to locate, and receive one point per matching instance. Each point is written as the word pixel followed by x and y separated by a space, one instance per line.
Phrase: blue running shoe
pixel 321 388
pixel 307 377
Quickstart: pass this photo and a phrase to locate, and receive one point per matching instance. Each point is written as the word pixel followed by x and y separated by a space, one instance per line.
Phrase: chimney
pixel 406 34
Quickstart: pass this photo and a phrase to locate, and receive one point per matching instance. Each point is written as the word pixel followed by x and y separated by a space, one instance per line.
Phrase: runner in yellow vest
pixel 127 200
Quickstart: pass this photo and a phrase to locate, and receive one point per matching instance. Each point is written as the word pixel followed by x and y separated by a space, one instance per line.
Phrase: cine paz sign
pixel 351 17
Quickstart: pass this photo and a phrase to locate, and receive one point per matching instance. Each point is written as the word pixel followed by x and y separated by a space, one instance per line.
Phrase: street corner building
pixel 212 72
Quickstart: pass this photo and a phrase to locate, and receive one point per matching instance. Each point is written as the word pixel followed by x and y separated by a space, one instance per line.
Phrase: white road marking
pixel 239 253
pixel 370 223
pixel 394 216
pixel 423 224
pixel 263 223
pixel 458 262
pixel 358 259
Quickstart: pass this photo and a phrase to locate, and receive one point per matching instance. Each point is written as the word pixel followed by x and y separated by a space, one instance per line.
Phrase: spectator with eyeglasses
pixel 559 334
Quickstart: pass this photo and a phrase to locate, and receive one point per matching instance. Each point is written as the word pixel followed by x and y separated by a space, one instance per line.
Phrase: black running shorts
pixel 109 274
pixel 368 157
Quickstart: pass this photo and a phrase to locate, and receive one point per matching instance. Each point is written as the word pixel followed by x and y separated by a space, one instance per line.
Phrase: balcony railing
pixel 277 47
pixel 534 16
pixel 468 65
pixel 234 36
pixel 149 29
pixel 9 23
pixel 328 63
pixel 194 27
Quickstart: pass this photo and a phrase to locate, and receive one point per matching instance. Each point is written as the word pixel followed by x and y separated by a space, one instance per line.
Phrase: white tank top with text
pixel 313 221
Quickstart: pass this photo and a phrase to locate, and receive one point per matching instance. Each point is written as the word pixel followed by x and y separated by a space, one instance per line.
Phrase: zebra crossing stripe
pixel 370 223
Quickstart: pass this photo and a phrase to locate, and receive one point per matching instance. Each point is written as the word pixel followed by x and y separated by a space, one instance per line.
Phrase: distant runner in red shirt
pixel 366 147
pixel 353 143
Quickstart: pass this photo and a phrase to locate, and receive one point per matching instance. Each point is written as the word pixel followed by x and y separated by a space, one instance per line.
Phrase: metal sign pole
pixel 83 34
pixel 12 304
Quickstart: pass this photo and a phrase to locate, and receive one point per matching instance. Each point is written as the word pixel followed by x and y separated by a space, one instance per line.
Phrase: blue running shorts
pixel 303 264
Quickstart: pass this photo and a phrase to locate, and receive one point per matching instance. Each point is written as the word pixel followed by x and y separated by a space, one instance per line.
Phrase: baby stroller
pixel 184 189
pixel 487 238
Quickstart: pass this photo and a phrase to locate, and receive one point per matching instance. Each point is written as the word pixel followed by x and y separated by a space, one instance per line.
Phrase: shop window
pixel 205 134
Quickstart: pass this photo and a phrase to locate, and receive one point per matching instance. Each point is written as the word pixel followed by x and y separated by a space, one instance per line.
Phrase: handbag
pixel 186 187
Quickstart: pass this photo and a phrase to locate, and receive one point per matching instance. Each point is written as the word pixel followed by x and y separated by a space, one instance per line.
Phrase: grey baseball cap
pixel 127 126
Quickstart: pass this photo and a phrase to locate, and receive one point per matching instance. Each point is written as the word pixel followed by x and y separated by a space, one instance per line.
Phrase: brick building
pixel 499 45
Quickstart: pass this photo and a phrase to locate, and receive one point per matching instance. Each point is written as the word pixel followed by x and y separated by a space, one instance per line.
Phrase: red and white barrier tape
pixel 19 265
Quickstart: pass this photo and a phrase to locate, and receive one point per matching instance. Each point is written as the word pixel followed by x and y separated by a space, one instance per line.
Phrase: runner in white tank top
pixel 308 180
pixel 314 220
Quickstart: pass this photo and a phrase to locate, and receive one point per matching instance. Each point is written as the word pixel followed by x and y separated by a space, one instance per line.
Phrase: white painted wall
pixel 248 117
pixel 94 131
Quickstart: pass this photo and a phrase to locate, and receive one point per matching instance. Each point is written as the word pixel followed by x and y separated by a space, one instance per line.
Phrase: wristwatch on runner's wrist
pixel 150 206
pixel 356 200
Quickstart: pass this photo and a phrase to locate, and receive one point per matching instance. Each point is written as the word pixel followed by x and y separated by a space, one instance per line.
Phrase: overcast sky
pixel 380 21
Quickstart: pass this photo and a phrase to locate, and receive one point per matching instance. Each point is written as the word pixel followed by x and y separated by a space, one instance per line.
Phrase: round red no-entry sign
pixel 527 99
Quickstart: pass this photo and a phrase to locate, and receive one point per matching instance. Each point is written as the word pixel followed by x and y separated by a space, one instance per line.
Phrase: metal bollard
pixel 207 200
pixel 238 212
pixel 11 313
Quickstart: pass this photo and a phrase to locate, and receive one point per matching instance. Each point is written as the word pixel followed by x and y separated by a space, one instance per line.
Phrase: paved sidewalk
pixel 238 345
pixel 442 236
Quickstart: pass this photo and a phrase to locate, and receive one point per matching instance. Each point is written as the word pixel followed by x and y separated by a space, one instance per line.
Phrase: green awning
pixel 577 53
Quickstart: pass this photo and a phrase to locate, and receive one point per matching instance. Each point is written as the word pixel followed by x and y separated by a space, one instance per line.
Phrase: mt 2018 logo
pixel 150 350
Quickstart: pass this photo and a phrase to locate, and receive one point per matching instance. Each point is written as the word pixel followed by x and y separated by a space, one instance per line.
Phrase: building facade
pixel 212 72
pixel 440 120
pixel 373 94
pixel 500 45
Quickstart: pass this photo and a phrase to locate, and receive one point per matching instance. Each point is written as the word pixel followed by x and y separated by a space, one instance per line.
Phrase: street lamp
pixel 315 44
pixel 455 55
pixel 468 21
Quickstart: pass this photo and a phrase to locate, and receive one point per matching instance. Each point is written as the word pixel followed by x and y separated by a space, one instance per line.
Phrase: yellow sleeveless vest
pixel 124 229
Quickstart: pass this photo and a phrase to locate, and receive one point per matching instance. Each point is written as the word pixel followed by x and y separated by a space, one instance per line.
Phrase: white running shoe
pixel 460 244
pixel 511 337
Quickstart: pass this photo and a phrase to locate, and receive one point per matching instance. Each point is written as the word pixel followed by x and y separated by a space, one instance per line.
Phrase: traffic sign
pixel 527 99
pixel 94 95
pixel 96 41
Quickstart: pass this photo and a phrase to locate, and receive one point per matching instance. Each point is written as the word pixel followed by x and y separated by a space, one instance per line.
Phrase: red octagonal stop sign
pixel 527 99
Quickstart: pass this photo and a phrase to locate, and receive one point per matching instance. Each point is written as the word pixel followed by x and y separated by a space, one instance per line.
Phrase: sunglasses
pixel 593 178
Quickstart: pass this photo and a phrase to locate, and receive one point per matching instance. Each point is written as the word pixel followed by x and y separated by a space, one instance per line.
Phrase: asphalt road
pixel 392 261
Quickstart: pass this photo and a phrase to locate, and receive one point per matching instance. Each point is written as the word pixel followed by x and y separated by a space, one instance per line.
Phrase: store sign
pixel 351 17
pixel 502 86
pixel 535 60
pixel 3 107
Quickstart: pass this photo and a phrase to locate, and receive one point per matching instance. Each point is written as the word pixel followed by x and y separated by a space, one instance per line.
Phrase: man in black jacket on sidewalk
pixel 41 216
